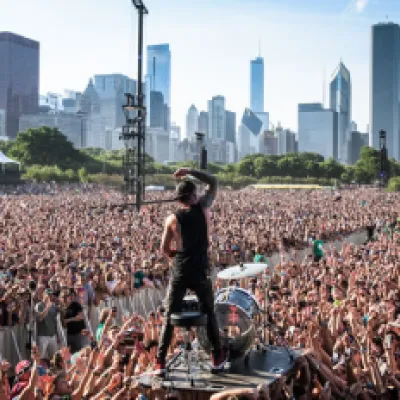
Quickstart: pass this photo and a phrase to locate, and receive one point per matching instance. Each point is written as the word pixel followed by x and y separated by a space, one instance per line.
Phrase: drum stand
pixel 264 320
pixel 265 323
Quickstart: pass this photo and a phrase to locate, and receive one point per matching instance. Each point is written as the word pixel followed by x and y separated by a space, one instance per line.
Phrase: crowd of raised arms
pixel 342 307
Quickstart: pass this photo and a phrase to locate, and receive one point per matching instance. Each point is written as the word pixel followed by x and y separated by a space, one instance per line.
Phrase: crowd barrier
pixel 13 340
pixel 357 238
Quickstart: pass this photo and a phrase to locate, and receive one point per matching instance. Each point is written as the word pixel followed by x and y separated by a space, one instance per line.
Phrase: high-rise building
pixel 167 117
pixel 318 129
pixel 257 85
pixel 248 137
pixel 385 87
pixel 3 124
pixel 90 100
pixel 51 100
pixel 192 122
pixel 230 126
pixel 264 118
pixel 203 122
pixel 157 116
pixel 159 73
pixel 340 101
pixel 19 79
pixel 111 89
pixel 71 101
pixel 216 118
pixel 357 141
pixel 286 141
pixel 96 124
pixel 176 131
pixel 73 126
pixel 158 144
pixel 269 143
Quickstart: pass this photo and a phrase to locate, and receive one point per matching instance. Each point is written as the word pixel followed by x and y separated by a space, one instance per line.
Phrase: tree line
pixel 46 154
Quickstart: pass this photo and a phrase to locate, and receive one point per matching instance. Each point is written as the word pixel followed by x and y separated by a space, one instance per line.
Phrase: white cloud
pixel 355 7
pixel 360 5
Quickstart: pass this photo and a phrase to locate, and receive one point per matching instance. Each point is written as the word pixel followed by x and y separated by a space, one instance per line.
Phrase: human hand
pixel 115 382
pixel 66 354
pixel 5 366
pixel 181 172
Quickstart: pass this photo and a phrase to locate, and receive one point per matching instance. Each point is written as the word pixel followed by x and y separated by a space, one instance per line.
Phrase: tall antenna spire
pixel 259 47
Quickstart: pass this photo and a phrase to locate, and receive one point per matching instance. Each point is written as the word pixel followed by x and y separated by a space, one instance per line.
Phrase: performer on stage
pixel 185 240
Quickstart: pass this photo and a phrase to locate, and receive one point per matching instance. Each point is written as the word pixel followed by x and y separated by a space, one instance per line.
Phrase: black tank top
pixel 194 235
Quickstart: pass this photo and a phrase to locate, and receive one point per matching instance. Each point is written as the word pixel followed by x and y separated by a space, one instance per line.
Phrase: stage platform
pixel 262 368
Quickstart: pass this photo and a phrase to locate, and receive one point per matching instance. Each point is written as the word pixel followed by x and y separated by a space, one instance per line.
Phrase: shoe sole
pixel 218 368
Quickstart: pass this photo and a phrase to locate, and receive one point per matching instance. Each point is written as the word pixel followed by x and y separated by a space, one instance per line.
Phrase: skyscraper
pixel 157 107
pixel 340 101
pixel 159 72
pixel 19 79
pixel 216 118
pixel 230 126
pixel 192 122
pixel 248 137
pixel 111 89
pixel 257 85
pixel 318 130
pixel 203 122
pixel 385 87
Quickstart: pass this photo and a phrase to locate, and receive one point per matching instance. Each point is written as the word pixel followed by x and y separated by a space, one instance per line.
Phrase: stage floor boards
pixel 263 367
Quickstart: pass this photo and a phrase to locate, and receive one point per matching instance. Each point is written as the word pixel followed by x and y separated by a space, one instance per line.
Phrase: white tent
pixel 5 160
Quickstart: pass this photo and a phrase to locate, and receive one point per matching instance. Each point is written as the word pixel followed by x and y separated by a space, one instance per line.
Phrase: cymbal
pixel 242 271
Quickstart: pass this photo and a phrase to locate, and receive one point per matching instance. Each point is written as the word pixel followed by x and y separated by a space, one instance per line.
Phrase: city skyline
pixel 299 40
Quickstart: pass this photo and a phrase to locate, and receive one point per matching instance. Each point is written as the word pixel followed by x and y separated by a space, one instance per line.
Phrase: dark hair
pixel 184 191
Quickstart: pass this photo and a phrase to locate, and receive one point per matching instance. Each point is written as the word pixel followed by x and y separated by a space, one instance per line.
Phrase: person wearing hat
pixel 185 240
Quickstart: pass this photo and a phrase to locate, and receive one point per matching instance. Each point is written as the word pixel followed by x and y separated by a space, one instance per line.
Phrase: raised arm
pixel 202 176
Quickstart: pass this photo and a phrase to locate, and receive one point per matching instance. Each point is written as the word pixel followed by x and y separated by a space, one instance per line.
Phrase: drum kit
pixel 242 320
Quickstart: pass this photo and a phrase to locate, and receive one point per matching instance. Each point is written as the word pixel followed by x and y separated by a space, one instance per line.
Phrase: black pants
pixel 202 286
pixel 317 258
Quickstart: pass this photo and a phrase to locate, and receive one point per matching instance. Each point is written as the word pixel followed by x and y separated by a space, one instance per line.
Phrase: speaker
pixel 203 159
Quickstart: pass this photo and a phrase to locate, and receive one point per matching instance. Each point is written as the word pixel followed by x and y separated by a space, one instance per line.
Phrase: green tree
pixel 367 167
pixel 292 165
pixel 45 146
pixel 394 184
pixel 331 169
pixel 348 176
pixel 313 168
pixel 263 166
pixel 245 167
pixel 5 146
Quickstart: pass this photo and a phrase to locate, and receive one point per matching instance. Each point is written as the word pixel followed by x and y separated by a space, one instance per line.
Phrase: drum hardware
pixel 235 310
pixel 187 356
pixel 252 317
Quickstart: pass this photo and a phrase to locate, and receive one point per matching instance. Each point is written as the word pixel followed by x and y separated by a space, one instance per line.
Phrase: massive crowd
pixel 66 249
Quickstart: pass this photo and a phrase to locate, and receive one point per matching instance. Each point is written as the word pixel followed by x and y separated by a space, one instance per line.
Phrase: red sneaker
pixel 218 362
pixel 160 369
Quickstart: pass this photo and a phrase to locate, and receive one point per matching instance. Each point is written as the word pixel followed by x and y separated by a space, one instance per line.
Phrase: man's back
pixel 192 225
pixel 192 229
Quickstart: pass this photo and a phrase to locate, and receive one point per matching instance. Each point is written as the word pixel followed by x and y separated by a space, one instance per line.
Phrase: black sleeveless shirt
pixel 193 255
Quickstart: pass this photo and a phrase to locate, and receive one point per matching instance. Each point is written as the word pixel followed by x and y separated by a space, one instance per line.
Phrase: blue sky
pixel 212 42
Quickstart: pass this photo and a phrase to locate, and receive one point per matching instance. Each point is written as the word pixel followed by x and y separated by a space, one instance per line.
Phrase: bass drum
pixel 241 297
pixel 235 321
